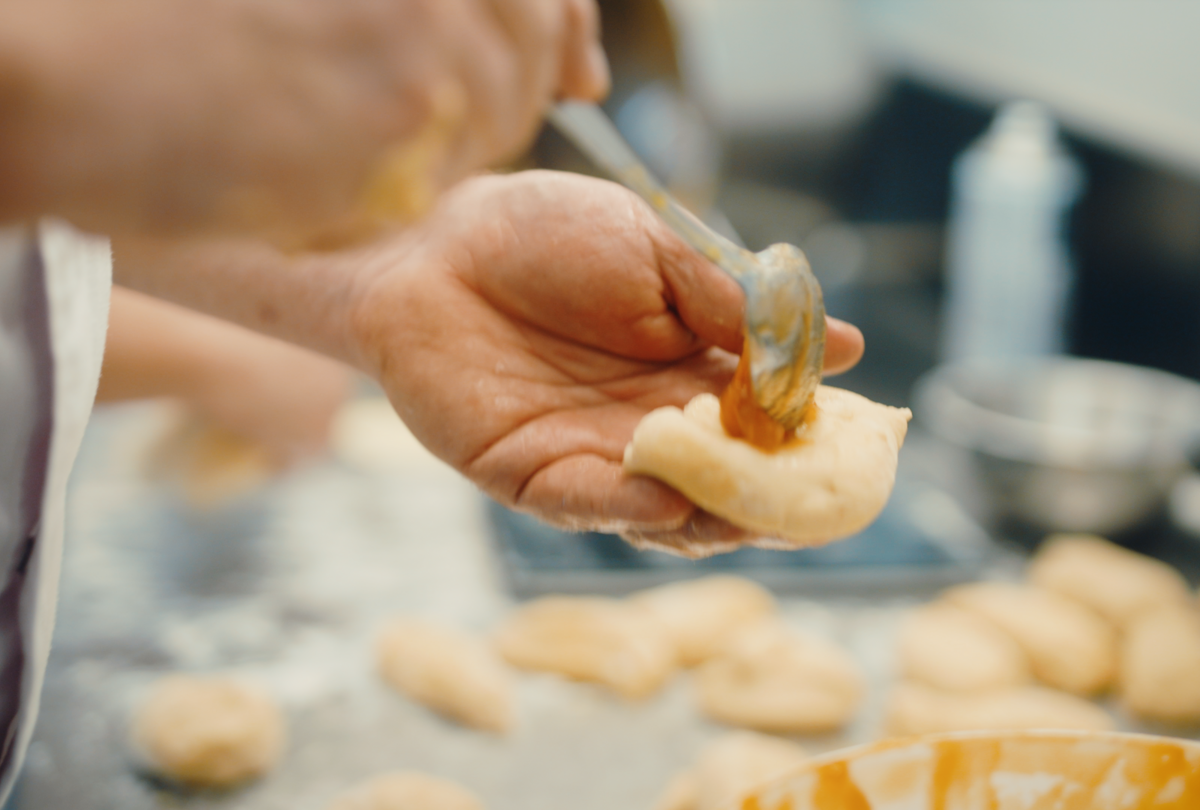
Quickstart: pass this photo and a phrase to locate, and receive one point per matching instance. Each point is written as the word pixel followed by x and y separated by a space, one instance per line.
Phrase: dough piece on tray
pixel 700 615
pixel 830 482
pixel 1117 583
pixel 1160 666
pixel 949 648
pixel 589 639
pixel 772 679
pixel 1069 647
pixel 730 768
pixel 408 790
pixel 209 732
pixel 448 671
pixel 917 709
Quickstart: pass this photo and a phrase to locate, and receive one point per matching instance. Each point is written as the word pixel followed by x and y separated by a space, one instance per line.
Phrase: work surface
pixel 287 589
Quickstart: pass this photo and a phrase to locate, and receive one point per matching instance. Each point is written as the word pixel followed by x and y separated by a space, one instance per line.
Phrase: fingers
pixel 843 346
pixel 547 48
pixel 709 302
pixel 584 73
pixel 592 493
pixel 701 535
pixel 589 492
pixel 535 31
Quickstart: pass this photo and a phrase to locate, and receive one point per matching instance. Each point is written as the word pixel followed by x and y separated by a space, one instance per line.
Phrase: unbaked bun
pixel 589 639
pixel 408 790
pixel 829 483
pixel 449 671
pixel 700 615
pixel 209 732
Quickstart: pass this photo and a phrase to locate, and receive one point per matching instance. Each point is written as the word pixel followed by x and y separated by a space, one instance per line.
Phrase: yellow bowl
pixel 1018 770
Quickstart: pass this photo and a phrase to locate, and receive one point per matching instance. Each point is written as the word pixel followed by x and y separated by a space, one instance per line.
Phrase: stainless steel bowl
pixel 1066 444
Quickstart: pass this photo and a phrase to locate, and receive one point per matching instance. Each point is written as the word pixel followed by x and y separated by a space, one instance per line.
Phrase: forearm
pixel 308 300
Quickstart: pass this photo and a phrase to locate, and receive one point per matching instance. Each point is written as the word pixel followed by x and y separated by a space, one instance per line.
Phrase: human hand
pixel 272 116
pixel 526 326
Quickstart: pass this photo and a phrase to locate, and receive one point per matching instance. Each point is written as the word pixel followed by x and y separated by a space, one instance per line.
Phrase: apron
pixel 54 289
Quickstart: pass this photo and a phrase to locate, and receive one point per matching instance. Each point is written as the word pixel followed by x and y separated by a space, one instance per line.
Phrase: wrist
pixel 380 296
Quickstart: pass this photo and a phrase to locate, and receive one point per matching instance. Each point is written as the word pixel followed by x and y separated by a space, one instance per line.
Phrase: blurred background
pixel 1003 196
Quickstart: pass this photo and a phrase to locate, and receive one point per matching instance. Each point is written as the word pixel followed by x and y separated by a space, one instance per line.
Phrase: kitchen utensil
pixel 785 313
pixel 1011 770
pixel 1066 444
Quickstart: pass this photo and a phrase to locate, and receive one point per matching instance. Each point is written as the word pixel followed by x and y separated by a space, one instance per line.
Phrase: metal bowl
pixel 1008 770
pixel 1065 444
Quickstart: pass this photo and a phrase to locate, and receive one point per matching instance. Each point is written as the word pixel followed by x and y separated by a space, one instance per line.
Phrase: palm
pixel 550 313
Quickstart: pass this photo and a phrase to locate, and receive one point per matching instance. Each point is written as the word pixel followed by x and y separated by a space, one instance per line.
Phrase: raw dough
pixel 1116 583
pixel 949 648
pixel 209 732
pixel 829 484
pixel 1160 666
pixel 772 679
pixel 729 769
pixel 209 465
pixel 408 790
pixel 448 671
pixel 917 709
pixel 1069 647
pixel 589 639
pixel 700 615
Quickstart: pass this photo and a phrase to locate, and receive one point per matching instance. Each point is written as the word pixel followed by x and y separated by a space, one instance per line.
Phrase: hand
pixel 526 326
pixel 173 116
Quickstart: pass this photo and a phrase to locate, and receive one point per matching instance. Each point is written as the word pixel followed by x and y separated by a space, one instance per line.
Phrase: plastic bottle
pixel 1008 269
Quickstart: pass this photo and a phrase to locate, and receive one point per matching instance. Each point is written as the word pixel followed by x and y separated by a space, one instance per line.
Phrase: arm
pixel 521 331
pixel 259 388
pixel 269 116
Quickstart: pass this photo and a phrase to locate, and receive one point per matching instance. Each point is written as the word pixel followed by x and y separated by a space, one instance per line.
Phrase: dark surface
pixel 896 554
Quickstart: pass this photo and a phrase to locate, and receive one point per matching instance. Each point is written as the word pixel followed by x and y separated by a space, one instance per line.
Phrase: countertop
pixel 287 586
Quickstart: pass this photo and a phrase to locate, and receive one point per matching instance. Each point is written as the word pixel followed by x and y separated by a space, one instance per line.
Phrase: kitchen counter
pixel 287 586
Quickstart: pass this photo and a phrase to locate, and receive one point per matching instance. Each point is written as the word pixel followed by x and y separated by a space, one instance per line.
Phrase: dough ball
pixel 209 732
pixel 771 679
pixel 1069 646
pixel 209 465
pixel 1160 666
pixel 408 790
pixel 448 671
pixel 917 709
pixel 1117 583
pixel 589 639
pixel 830 484
pixel 729 769
pixel 949 648
pixel 700 615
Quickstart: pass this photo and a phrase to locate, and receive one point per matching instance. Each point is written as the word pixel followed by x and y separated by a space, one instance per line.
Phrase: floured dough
pixel 772 679
pixel 700 615
pixel 448 671
pixel 589 639
pixel 949 648
pixel 209 732
pixel 829 484
pixel 209 465
pixel 1069 646
pixel 918 709
pixel 1160 665
pixel 729 769
pixel 408 790
pixel 1117 583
